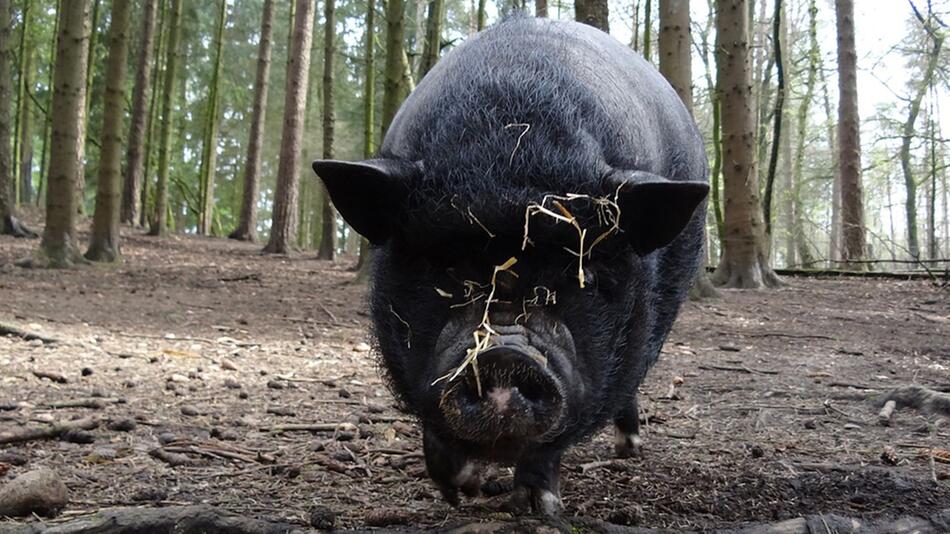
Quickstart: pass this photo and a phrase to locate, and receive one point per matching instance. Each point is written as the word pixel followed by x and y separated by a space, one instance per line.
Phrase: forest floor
pixel 208 347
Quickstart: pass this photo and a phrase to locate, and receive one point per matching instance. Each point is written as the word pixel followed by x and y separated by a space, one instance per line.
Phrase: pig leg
pixel 537 478
pixel 627 441
pixel 450 469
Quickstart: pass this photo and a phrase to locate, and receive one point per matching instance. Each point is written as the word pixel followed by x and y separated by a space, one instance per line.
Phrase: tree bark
pixel 647 30
pixel 778 115
pixel 849 138
pixel 430 53
pixel 210 144
pixel 328 227
pixel 247 224
pixel 22 118
pixel 744 263
pixel 135 156
pixel 481 14
pixel 25 147
pixel 9 224
pixel 394 87
pixel 48 123
pixel 799 245
pixel 104 241
pixel 541 8
pixel 158 80
pixel 284 221
pixel 158 224
pixel 89 78
pixel 369 122
pixel 593 13
pixel 59 248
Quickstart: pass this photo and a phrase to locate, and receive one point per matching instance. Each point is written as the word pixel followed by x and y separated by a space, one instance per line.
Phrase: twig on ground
pixel 48 432
pixel 59 378
pixel 329 313
pixel 743 369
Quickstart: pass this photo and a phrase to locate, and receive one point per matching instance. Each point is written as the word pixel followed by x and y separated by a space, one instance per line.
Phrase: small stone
pixel 178 378
pixel 86 371
pixel 39 492
pixel 189 410
pixel 811 424
pixel 362 347
pixel 128 384
pixel 78 436
pixel 282 411
pixel 122 425
pixel 231 383
pixel 13 458
pixel 274 384
pixel 167 437
pixel 344 393
pixel 322 517
pixel 852 426
pixel 225 434
pixel 757 451
pixel 729 348
pixel 150 494
pixel 6 406
pixel 243 395
pixel 228 365
pixel 318 446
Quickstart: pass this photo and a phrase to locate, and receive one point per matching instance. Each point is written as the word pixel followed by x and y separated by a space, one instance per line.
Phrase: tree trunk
pixel 849 138
pixel 48 124
pixel 158 80
pixel 593 13
pixel 328 214
pixel 104 241
pixel 913 243
pixel 430 53
pixel 394 88
pixel 135 156
pixel 777 114
pixel 22 113
pixel 933 252
pixel 481 14
pixel 158 224
pixel 799 244
pixel 210 145
pixel 541 8
pixel 85 134
pixel 59 247
pixel 788 196
pixel 744 263
pixel 247 224
pixel 676 67
pixel 834 241
pixel 369 122
pixel 647 29
pixel 284 222
pixel 26 130
pixel 9 224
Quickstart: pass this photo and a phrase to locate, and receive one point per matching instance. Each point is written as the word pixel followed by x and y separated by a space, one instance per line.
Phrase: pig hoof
pixel 468 480
pixel 493 488
pixel 540 501
pixel 628 445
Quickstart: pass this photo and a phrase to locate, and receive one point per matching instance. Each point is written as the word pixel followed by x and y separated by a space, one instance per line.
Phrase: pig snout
pixel 514 396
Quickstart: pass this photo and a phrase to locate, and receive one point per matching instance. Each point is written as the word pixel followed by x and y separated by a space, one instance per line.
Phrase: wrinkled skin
pixel 526 109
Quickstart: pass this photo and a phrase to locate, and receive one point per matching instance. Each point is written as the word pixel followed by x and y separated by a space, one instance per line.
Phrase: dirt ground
pixel 208 347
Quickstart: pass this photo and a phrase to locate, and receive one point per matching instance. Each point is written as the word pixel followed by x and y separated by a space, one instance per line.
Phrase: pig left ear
pixel 368 194
pixel 653 209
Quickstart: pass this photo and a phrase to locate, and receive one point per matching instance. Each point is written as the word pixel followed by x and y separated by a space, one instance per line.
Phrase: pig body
pixel 529 114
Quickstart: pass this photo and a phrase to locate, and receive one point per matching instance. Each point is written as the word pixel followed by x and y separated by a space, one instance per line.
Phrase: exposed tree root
pixel 172 520
pixel 12 226
pixel 924 399
pixel 53 431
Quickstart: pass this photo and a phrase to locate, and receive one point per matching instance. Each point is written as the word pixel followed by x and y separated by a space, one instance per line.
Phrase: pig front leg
pixel 450 469
pixel 627 441
pixel 537 478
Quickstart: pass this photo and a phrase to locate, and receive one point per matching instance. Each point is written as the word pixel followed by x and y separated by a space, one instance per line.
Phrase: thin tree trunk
pixel 908 132
pixel 135 156
pixel 85 133
pixel 59 247
pixel 593 13
pixel 744 263
pixel 849 138
pixel 933 253
pixel 26 131
pixel 799 244
pixel 778 115
pixel 541 8
pixel 788 196
pixel 647 29
pixel 284 222
pixel 22 102
pixel 9 224
pixel 247 224
pixel 834 241
pixel 158 224
pixel 394 86
pixel 481 14
pixel 635 33
pixel 104 241
pixel 430 53
pixel 369 122
pixel 328 214
pixel 210 144
pixel 47 127
pixel 158 80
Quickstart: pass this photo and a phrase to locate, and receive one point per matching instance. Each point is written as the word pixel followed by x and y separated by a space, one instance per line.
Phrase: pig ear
pixel 653 209
pixel 368 194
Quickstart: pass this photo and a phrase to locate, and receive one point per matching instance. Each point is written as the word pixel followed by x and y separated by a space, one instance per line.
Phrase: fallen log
pixel 926 400
pixel 172 520
pixel 53 431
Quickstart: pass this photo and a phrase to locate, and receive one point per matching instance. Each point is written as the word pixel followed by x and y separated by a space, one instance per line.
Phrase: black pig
pixel 537 208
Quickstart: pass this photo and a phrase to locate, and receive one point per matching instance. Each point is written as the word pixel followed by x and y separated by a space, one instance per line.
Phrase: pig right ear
pixel 368 194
